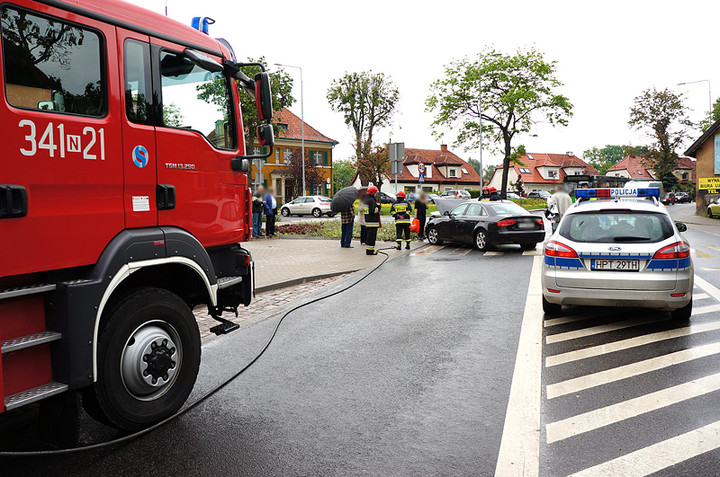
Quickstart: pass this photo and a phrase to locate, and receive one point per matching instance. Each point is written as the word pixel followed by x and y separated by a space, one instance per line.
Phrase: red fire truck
pixel 123 201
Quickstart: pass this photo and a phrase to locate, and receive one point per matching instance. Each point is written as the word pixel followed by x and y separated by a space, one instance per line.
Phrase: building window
pixel 524 170
pixel 257 151
pixel 464 171
pixel 52 65
pixel 317 157
pixel 685 176
pixel 277 155
pixel 318 189
pixel 452 173
pixel 287 154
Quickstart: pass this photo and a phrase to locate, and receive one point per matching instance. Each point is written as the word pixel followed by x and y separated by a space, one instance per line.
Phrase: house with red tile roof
pixel 636 168
pixel 542 171
pixel 276 169
pixel 686 170
pixel 443 170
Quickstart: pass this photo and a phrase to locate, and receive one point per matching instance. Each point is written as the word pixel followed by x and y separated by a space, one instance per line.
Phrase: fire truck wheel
pixel 148 359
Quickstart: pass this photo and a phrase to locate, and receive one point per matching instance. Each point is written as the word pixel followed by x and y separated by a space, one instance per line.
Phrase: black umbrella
pixel 343 199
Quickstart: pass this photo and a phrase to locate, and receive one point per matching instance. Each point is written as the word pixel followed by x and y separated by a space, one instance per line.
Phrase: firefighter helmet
pixel 401 194
pixel 493 190
pixel 372 190
pixel 486 189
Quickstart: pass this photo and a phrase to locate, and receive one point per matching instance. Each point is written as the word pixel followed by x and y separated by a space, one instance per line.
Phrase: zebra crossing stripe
pixel 494 253
pixel 661 455
pixel 706 309
pixel 460 251
pixel 592 420
pixel 700 296
pixel 708 288
pixel 630 370
pixel 429 250
pixel 596 330
pixel 614 346
pixel 573 318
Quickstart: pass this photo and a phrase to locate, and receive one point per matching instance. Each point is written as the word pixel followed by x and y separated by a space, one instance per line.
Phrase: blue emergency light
pixel 202 24
pixel 617 192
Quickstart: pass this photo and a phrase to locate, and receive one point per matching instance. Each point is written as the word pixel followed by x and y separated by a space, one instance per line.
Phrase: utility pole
pixel 709 91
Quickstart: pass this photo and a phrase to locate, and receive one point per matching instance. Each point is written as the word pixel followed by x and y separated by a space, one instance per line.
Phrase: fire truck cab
pixel 123 201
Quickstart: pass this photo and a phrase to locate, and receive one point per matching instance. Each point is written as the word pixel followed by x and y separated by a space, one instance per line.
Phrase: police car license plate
pixel 616 265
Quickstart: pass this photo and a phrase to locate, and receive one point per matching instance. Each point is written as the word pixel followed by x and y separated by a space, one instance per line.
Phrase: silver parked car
pixel 618 251
pixel 317 205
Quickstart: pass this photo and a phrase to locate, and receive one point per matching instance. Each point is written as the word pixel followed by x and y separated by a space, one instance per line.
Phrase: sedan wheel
pixel 433 236
pixel 317 213
pixel 285 212
pixel 481 240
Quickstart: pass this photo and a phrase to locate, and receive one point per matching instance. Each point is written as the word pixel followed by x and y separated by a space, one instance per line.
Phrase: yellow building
pixel 277 171
pixel 707 151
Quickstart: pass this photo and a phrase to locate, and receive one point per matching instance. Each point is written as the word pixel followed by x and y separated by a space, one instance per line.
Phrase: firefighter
pixel 401 211
pixel 485 193
pixel 494 195
pixel 371 210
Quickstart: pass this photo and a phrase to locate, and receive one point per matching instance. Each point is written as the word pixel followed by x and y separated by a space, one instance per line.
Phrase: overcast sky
pixel 607 53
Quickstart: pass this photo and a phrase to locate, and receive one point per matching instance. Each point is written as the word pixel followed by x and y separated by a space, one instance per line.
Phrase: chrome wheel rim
pixel 317 213
pixel 432 236
pixel 480 239
pixel 151 360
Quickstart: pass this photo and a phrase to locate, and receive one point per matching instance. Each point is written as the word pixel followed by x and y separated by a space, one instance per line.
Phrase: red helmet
pixel 493 189
pixel 372 190
pixel 486 189
pixel 401 194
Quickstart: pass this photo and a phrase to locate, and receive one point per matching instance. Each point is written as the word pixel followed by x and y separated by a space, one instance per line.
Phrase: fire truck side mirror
pixel 266 135
pixel 263 96
pixel 203 60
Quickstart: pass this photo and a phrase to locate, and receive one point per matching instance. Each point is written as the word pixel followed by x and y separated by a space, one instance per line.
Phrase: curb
pixel 300 281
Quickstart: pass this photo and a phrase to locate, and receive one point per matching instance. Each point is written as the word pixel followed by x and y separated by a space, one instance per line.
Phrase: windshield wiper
pixel 630 238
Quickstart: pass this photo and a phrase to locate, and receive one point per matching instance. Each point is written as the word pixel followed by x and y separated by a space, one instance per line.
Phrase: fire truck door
pixel 138 150
pixel 196 143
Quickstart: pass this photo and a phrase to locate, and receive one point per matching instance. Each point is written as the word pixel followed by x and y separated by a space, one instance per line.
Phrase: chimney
pixel 570 153
pixel 443 147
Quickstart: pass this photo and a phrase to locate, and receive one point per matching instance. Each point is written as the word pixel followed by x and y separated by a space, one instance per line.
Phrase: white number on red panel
pixel 55 139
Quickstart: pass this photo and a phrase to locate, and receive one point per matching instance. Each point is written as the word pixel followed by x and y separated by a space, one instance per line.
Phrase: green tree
pixel 367 102
pixel 604 158
pixel 281 85
pixel 343 173
pixel 516 91
pixel 711 117
pixel 374 165
pixel 663 115
pixel 172 116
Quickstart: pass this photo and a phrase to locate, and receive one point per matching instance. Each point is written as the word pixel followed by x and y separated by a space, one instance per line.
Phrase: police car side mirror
pixel 681 227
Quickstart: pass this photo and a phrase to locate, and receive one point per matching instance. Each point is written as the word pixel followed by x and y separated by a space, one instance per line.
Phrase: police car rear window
pixel 51 65
pixel 614 226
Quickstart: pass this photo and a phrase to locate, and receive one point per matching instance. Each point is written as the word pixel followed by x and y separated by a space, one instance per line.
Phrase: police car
pixel 618 247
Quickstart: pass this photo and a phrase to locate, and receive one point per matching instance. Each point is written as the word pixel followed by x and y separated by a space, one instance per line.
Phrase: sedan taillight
pixel 506 223
pixel 673 251
pixel 556 249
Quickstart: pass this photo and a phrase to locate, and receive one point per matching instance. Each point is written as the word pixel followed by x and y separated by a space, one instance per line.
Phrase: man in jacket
pixel 270 210
pixel 347 221
pixel 401 210
pixel 371 210
pixel 257 211
pixel 558 204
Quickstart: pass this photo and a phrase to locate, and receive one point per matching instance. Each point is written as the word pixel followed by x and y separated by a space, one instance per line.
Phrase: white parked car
pixel 317 205
pixel 611 249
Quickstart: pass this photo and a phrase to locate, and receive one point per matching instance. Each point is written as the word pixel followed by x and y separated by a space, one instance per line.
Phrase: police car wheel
pixel 433 236
pixel 148 359
pixel 317 213
pixel 285 212
pixel 683 313
pixel 551 309
pixel 481 240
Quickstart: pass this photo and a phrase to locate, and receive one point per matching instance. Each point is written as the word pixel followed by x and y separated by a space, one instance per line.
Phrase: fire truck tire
pixel 148 359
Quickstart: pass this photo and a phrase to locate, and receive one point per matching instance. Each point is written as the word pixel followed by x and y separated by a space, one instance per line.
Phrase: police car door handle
pixel 13 201
pixel 166 197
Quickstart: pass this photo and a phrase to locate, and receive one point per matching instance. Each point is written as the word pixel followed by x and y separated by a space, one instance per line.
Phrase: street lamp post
pixel 709 90
pixel 302 121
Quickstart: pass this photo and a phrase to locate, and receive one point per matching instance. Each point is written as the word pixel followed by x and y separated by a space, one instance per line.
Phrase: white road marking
pixel 429 250
pixel 492 254
pixel 460 251
pixel 596 330
pixel 623 372
pixel 591 420
pixel 574 318
pixel 662 455
pixel 710 289
pixel 706 309
pixel 614 346
pixel 700 296
pixel 520 446
pixel 532 252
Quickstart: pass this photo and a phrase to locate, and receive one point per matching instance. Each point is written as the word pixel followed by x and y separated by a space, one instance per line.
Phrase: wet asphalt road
pixel 407 373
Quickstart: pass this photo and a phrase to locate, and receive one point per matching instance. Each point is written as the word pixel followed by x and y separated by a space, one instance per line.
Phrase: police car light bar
pixel 616 192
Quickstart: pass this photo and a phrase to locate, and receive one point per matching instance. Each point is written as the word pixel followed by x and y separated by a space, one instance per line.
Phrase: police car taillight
pixel 674 251
pixel 556 249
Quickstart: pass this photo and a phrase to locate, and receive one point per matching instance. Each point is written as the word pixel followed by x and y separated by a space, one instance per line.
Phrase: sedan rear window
pixel 614 226
pixel 506 208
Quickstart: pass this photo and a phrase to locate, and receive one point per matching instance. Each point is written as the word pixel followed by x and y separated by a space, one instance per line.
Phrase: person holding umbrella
pixel 347 219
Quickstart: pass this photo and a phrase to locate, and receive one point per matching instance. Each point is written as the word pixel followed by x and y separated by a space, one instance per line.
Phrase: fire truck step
pixel 227 282
pixel 224 328
pixel 21 342
pixel 28 290
pixel 28 396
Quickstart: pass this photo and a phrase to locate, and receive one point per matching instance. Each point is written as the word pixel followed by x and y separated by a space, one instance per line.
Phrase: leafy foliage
pixel 281 85
pixel 711 117
pixel 373 166
pixel 343 173
pixel 313 173
pixel 367 102
pixel 663 115
pixel 172 116
pixel 516 91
